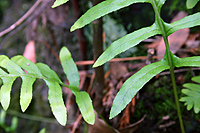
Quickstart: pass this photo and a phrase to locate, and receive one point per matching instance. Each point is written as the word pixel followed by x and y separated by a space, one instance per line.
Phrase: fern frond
pixel 19 66
pixel 14 67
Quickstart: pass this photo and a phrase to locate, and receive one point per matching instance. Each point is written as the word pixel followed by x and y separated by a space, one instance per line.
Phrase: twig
pixel 24 17
pixel 91 82
pixel 51 49
pixel 134 124
pixel 167 124
pixel 76 123
pixel 115 60
pixel 28 21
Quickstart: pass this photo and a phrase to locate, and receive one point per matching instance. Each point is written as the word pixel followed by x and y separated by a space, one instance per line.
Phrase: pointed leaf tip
pixel 72 29
pixel 95 65
pixel 191 3
pixel 58 3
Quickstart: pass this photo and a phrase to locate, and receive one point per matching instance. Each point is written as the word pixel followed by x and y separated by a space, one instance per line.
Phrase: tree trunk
pixel 80 34
pixel 97 51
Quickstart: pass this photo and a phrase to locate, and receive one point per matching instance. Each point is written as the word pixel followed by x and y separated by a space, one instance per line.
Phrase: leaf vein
pixel 12 67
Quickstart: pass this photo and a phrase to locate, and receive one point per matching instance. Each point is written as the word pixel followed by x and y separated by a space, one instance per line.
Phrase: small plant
pixel 191 3
pixel 169 61
pixel 192 98
pixel 14 122
pixel 10 69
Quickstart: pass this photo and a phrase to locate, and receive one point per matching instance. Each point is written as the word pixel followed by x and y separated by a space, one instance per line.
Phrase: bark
pixel 97 51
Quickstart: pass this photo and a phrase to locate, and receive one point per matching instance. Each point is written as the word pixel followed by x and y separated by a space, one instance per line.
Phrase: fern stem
pixel 174 85
pixel 176 100
pixel 31 117
pixel 170 61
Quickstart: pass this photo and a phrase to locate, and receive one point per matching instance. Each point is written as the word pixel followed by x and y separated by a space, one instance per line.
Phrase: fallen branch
pixel 24 17
pixel 38 12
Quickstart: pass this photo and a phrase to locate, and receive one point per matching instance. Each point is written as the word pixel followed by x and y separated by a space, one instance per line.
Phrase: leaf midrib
pixel 126 42
pixel 134 83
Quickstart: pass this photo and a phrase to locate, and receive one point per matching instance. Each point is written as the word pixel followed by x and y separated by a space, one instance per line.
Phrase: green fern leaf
pixel 69 68
pixel 11 69
pixel 191 3
pixel 102 9
pixel 8 80
pixel 82 98
pixel 10 66
pixel 59 2
pixel 56 102
pixel 48 72
pixel 26 91
pixel 27 65
pixel 6 88
pixel 187 61
pixel 186 22
pixel 192 93
pixel 126 42
pixel 196 79
pixel 27 80
pixel 14 66
pixel 134 84
pixel 55 93
pixel 85 105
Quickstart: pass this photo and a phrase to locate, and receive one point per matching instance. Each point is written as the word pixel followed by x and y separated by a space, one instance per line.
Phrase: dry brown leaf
pixel 119 85
pixel 125 119
pixel 130 108
pixel 133 103
pixel 108 98
pixel 192 42
pixel 117 70
pixel 100 126
pixel 29 51
pixel 176 40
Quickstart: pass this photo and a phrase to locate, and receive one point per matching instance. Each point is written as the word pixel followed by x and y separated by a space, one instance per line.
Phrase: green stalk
pixel 174 85
pixel 170 61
